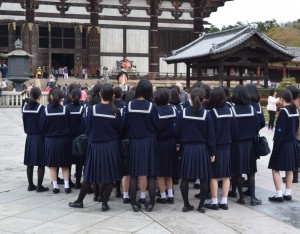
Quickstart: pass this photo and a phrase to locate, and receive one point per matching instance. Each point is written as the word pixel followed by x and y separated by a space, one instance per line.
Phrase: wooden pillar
pixel 266 78
pixel 258 75
pixel 154 65
pixel 198 27
pixel 78 49
pixel 30 6
pixel 188 75
pixel 50 49
pixel 228 83
pixel 11 36
pixel 221 73
pixel 284 75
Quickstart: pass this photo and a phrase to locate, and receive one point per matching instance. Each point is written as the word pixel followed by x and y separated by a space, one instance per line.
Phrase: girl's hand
pixel 212 158
pixel 177 147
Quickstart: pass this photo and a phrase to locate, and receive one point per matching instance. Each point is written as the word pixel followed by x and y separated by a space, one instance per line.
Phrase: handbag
pixel 80 145
pixel 124 148
pixel 261 146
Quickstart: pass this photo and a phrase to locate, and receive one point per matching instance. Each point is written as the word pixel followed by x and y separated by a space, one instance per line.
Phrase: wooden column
pixel 198 21
pixel 266 77
pixel 154 65
pixel 221 73
pixel 188 75
pixel 284 75
pixel 78 49
pixel 30 6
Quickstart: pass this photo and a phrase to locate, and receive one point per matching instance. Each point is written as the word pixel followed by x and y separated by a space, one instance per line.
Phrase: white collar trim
pixel 140 111
pixel 194 117
pixel 53 114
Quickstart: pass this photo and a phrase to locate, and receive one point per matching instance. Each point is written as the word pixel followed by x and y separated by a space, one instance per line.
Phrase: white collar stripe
pixel 78 112
pixel 168 116
pixel 291 115
pixel 260 110
pixel 224 115
pixel 32 111
pixel 54 114
pixel 140 111
pixel 102 115
pixel 194 117
pixel 243 115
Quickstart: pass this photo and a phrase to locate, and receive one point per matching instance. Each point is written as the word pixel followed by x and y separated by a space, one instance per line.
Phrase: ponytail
pixel 197 96
pixel 293 107
pixel 55 101
pixel 35 93
pixel 32 102
pixel 197 104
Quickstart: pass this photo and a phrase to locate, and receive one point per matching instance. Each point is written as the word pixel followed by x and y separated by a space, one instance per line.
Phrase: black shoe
pixel 68 190
pixel 255 202
pixel 287 197
pixel 232 194
pixel 136 207
pixel 95 198
pixel 171 200
pixel 142 200
pixel 105 207
pixel 187 208
pixel 247 192
pixel 56 190
pixel 41 189
pixel 161 200
pixel 196 186
pixel 31 188
pixel 241 201
pixel 78 186
pixel 201 209
pixel 91 190
pixel 126 200
pixel 118 193
pixel 198 195
pixel 223 206
pixel 100 199
pixel 76 204
pixel 71 184
pixel 212 206
pixel 245 183
pixel 276 199
pixel 60 181
pixel 149 207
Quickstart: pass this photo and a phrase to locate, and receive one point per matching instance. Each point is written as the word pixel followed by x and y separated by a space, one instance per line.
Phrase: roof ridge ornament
pixel 18 44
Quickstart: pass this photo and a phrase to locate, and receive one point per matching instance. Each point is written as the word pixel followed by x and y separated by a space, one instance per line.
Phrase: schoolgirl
pixel 197 140
pixel 34 140
pixel 166 145
pixel 118 93
pixel 224 128
pixel 142 123
pixel 243 158
pixel 284 154
pixel 75 121
pixel 54 124
pixel 103 163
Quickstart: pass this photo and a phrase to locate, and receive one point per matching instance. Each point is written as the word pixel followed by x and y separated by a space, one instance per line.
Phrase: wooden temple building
pixel 240 54
pixel 93 33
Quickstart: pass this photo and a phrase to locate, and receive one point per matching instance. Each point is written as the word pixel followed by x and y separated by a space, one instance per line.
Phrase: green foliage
pixel 266 26
pixel 213 29
pixel 287 82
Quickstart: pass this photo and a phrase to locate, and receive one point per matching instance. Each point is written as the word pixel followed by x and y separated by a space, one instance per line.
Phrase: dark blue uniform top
pixel 286 128
pixel 247 122
pixel 54 121
pixel 167 121
pixel 224 124
pixel 75 119
pixel 119 103
pixel 141 119
pixel 102 124
pixel 260 114
pixel 197 127
pixel 31 118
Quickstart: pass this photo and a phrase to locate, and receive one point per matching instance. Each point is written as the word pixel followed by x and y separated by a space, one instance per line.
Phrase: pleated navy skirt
pixel 166 158
pixel 33 150
pixel 243 160
pixel 195 162
pixel 221 165
pixel 57 152
pixel 103 163
pixel 143 158
pixel 285 160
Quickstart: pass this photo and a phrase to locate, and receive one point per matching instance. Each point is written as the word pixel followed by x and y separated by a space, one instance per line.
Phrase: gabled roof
pixel 214 43
pixel 296 52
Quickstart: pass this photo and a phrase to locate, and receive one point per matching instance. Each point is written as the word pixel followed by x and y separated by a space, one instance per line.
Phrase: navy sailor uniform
pixel 224 127
pixel 142 123
pixel 197 139
pixel 243 160
pixel 260 114
pixel 284 153
pixel 34 140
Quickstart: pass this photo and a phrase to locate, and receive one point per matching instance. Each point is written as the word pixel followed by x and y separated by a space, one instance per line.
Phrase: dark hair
pixel 226 90
pixel 161 97
pixel 35 93
pixel 206 88
pixel 253 92
pixel 272 91
pixel 72 86
pixel 287 96
pixel 197 96
pixel 174 96
pixel 56 94
pixel 144 89
pixel 120 74
pixel 107 93
pixel 118 92
pixel 294 91
pixel 75 96
pixel 95 95
pixel 240 95
pixel 198 84
pixel 217 97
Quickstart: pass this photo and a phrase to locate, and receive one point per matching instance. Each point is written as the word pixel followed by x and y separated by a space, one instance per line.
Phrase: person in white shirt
pixel 271 107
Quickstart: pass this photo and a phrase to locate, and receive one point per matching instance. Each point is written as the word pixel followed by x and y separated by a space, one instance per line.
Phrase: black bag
pixel 261 146
pixel 124 148
pixel 79 146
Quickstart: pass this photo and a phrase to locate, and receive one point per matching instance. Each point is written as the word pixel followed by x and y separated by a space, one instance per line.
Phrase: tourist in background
pixel 272 108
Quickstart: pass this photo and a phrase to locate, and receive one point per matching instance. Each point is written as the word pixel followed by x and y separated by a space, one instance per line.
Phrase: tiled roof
pixel 214 43
pixel 296 52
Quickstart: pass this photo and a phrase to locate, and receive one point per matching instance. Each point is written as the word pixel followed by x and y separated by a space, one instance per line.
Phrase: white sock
pixel 66 184
pixel 214 200
pixel 170 193
pixel 278 193
pixel 197 181
pixel 143 195
pixel 224 200
pixel 288 192
pixel 54 184
pixel 163 195
pixel 125 195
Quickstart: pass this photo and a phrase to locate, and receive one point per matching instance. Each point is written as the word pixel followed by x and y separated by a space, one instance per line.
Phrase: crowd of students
pixel 208 137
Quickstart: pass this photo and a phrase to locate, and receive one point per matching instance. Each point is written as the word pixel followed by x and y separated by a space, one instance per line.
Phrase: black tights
pixel 40 172
pixel 271 119
pixel 78 169
pixel 134 186
pixel 184 188
pixel 251 179
pixel 98 190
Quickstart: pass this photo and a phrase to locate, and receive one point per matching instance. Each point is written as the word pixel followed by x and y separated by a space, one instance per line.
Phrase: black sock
pixel 233 184
pixel 151 189
pixel 96 190
pixel 251 179
pixel 133 189
pixel 30 175
pixel 101 190
pixel 239 182
pixel 83 191
pixel 107 189
pixel 204 191
pixel 41 173
pixel 78 172
pixel 117 185
pixel 184 188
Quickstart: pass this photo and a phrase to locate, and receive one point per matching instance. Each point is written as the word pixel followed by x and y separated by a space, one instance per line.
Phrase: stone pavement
pixel 30 212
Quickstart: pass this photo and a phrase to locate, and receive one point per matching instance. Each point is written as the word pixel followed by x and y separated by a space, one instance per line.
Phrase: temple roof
pixel 219 42
pixel 296 52
pixel 16 53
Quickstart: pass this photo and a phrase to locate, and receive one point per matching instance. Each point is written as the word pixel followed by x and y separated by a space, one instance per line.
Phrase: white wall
pixel 111 40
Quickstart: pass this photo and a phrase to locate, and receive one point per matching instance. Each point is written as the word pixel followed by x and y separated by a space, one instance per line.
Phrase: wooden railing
pixel 14 99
